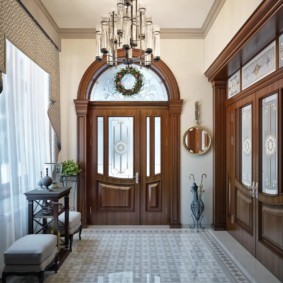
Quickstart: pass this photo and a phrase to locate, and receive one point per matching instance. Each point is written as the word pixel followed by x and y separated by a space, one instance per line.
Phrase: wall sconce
pixel 197 113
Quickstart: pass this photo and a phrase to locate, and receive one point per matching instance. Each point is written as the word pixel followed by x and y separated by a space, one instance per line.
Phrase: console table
pixel 37 199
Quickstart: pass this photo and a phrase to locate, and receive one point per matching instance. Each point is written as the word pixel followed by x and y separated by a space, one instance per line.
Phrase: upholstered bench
pixel 31 255
pixel 75 225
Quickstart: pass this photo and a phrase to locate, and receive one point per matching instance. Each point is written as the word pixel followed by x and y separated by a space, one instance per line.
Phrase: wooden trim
pixel 82 157
pixel 175 105
pixel 219 155
pixel 219 69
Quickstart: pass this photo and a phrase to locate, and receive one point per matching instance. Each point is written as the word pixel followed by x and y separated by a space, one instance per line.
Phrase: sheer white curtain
pixel 25 143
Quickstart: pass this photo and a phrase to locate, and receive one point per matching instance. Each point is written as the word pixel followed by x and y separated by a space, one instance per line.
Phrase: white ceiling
pixel 188 14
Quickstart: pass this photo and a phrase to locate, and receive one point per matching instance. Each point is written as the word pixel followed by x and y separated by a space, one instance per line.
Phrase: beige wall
pixel 231 18
pixel 187 63
pixel 188 59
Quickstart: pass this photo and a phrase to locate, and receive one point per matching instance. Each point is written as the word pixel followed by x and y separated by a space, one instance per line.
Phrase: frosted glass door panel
pixel 269 153
pixel 100 145
pixel 147 146
pixel 246 145
pixel 121 147
pixel 157 145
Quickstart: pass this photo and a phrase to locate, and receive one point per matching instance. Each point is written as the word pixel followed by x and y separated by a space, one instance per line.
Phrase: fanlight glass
pixel 153 88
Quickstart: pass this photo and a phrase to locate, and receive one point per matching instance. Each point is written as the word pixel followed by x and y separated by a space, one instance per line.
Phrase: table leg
pixel 66 204
pixel 30 216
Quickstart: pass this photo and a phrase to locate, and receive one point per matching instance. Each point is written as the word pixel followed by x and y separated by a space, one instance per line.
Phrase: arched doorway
pixel 103 200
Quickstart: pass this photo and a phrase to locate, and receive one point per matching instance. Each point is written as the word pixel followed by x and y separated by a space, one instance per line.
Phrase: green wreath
pixel 138 84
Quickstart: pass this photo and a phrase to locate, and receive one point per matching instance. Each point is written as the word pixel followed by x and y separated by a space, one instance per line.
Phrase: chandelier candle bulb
pixel 98 56
pixel 148 36
pixel 156 52
pixel 127 33
pixel 104 36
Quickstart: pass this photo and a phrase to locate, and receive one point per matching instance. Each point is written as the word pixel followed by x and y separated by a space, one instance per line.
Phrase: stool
pixel 31 255
pixel 75 225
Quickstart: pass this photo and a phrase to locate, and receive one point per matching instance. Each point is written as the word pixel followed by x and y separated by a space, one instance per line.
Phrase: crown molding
pixel 38 11
pixel 212 15
pixel 181 33
pixel 77 33
pixel 82 33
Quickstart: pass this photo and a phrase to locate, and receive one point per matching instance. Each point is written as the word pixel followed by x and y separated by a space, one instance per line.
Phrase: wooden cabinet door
pixel 128 157
pixel 240 155
pixel 254 174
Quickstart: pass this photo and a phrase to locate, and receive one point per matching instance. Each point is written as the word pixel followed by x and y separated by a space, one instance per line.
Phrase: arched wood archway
pixel 82 104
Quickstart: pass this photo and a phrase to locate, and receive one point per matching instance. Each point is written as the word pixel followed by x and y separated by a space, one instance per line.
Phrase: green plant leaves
pixel 70 167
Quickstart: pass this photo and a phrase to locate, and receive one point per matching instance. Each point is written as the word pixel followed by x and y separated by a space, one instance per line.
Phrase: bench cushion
pixel 31 249
pixel 74 220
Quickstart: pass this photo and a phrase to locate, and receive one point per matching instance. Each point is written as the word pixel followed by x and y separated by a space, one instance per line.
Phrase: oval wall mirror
pixel 197 140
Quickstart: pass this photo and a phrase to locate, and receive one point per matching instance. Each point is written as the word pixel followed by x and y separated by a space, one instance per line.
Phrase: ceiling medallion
pixel 270 145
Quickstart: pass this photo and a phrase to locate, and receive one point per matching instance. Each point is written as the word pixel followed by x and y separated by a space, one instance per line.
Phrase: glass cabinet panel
pixel 246 145
pixel 121 147
pixel 269 144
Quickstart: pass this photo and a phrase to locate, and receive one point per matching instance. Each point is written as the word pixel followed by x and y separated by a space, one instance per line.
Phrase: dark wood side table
pixel 39 196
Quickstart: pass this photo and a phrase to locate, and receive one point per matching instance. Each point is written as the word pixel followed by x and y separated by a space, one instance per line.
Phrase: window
pixel 25 139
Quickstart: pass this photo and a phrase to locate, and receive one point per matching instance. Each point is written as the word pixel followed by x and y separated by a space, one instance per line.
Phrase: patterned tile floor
pixel 146 256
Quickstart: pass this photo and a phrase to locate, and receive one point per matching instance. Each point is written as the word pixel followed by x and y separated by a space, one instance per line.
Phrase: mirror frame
pixel 209 140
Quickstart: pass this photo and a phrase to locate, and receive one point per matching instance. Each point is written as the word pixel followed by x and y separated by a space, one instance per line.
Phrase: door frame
pixel 82 105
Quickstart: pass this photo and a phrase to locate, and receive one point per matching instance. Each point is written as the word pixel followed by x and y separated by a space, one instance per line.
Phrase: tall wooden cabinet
pixel 248 149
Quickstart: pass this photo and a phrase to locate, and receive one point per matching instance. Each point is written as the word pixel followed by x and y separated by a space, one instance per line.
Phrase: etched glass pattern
pixel 153 88
pixel 100 145
pixel 234 84
pixel 246 145
pixel 157 145
pixel 269 108
pixel 260 66
pixel 121 147
pixel 280 51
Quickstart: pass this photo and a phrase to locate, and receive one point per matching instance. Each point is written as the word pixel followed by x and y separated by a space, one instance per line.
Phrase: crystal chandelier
pixel 126 29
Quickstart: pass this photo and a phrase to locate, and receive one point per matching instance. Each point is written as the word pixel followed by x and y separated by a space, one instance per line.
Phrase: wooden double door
pixel 254 174
pixel 129 173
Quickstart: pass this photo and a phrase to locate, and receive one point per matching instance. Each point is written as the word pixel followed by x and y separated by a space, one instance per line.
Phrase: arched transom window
pixel 153 88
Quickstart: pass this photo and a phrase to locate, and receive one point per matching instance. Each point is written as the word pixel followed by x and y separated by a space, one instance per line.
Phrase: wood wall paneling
pixel 219 157
pixel 153 197
pixel 244 211
pixel 262 233
pixel 115 197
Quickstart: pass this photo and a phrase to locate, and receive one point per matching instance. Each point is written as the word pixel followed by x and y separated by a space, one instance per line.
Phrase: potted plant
pixel 70 168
